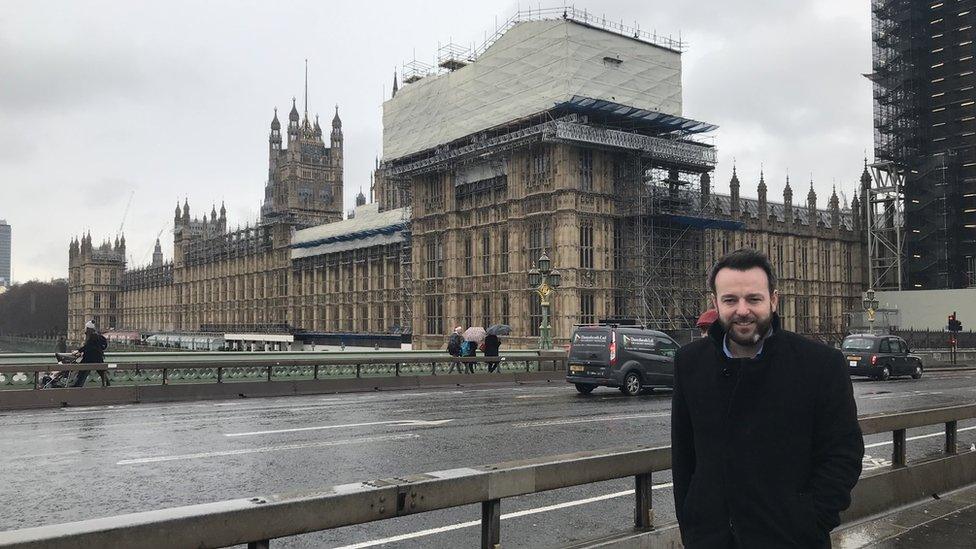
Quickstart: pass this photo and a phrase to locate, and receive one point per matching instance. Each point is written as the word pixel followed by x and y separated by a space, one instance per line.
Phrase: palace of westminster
pixel 487 164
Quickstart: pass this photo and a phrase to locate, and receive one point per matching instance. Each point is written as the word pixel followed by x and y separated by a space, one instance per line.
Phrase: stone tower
pixel 304 185
pixel 94 284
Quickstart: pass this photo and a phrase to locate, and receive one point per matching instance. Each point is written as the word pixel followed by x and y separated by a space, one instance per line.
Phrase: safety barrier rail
pixel 224 367
pixel 258 520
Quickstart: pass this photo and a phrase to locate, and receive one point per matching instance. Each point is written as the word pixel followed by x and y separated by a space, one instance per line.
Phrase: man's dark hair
pixel 743 259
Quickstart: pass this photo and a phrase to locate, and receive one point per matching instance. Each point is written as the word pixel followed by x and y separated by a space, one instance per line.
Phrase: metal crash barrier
pixel 139 377
pixel 258 520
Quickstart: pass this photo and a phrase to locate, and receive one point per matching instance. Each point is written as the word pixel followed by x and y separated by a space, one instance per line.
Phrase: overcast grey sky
pixel 167 99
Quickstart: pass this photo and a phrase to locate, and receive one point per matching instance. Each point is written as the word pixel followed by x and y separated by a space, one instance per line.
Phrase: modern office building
pixel 5 243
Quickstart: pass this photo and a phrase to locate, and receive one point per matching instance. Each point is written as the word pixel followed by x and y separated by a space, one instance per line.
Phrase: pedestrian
pixel 490 347
pixel 765 443
pixel 468 349
pixel 454 349
pixel 92 352
pixel 62 346
pixel 705 321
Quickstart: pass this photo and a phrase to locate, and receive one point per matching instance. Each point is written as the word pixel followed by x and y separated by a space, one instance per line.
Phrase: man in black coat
pixel 764 435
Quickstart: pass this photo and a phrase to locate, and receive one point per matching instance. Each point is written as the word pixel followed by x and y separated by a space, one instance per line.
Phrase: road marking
pixel 870 463
pixel 942 434
pixel 535 396
pixel 574 420
pixel 905 395
pixel 397 423
pixel 517 514
pixel 264 449
pixel 49 454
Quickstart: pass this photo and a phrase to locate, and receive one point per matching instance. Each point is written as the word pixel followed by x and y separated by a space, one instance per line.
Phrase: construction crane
pixel 125 212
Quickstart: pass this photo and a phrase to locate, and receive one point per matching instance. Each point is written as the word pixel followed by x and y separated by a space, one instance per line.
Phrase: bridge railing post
pixel 899 448
pixel 262 544
pixel 491 524
pixel 644 509
pixel 951 437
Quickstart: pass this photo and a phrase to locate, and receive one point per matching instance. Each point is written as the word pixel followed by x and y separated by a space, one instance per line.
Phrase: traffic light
pixel 954 325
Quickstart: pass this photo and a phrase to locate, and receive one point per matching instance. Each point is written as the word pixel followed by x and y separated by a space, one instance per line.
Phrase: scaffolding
pixel 885 226
pixel 897 28
pixel 659 246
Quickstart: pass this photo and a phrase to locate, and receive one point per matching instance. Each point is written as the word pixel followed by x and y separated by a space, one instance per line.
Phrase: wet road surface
pixel 78 463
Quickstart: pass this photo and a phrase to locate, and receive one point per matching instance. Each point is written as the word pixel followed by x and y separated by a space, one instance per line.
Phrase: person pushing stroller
pixel 91 352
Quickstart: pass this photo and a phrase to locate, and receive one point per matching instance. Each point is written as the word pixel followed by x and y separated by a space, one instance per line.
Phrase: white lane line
pixel 535 396
pixel 49 454
pixel 398 423
pixel 942 434
pixel 263 449
pixel 905 395
pixel 450 527
pixel 574 420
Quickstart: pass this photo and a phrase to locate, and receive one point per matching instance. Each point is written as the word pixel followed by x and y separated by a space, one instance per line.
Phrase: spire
pixel 157 256
pixel 734 198
pixel 213 214
pixel 762 184
pixel 812 195
pixel 293 115
pixel 177 209
pixel 186 210
pixel 395 87
pixel 306 89
pixel 223 209
pixel 275 125
pixel 318 129
pixel 360 198
pixel 336 122
pixel 865 177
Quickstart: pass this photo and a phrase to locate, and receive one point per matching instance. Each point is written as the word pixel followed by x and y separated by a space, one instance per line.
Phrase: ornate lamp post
pixel 870 305
pixel 544 281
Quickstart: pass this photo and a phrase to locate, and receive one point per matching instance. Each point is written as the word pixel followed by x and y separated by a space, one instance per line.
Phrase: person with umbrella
pixel 492 343
pixel 473 336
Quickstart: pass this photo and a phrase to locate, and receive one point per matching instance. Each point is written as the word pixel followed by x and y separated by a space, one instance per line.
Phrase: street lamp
pixel 870 305
pixel 544 281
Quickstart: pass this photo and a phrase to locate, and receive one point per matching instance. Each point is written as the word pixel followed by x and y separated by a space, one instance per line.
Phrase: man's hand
pixel 76 353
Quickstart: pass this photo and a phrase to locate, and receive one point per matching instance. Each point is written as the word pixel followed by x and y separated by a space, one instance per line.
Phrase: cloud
pixel 173 100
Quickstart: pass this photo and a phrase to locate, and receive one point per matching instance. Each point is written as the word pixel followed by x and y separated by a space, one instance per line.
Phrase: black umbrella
pixel 500 329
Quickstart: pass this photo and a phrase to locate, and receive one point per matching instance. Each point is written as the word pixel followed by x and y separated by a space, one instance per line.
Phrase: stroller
pixel 59 380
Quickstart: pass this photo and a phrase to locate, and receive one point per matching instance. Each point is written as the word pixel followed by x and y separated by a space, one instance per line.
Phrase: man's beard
pixel 760 328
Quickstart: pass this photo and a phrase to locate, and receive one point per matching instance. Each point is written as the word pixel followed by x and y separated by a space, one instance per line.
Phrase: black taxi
pixel 880 357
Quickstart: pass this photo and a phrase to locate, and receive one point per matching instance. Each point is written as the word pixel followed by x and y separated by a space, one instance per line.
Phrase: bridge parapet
pixel 258 520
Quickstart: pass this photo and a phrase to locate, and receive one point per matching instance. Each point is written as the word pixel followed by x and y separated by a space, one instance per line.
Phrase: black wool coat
pixel 765 451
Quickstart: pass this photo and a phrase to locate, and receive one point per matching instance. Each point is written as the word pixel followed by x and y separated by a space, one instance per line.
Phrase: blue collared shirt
pixel 762 342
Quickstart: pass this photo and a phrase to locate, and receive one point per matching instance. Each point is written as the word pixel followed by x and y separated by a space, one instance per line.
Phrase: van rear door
pixel 589 351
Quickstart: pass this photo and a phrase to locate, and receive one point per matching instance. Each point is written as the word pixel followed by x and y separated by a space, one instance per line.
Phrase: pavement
pixel 947 521
pixel 77 463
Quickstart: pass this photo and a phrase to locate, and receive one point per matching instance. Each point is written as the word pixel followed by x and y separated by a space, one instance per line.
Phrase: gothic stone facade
pixel 94 285
pixel 474 243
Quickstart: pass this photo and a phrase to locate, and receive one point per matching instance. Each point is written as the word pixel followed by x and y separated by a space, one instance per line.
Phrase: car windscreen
pixel 589 341
pixel 858 344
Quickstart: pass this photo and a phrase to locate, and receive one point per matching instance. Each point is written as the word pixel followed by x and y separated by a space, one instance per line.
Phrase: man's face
pixel 745 306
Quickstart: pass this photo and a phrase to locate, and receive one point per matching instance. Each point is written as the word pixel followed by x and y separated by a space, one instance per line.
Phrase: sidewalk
pixel 945 523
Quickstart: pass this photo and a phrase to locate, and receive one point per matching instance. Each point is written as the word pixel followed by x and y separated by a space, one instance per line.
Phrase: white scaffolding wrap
pixel 528 70
pixel 368 228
